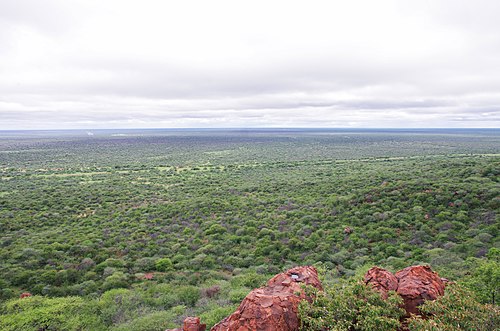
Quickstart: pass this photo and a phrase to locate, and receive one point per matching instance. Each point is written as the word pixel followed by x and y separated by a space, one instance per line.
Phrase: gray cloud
pixel 163 64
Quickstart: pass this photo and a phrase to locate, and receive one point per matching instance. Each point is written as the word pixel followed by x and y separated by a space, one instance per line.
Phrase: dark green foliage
pixel 164 264
pixel 457 310
pixel 350 307
pixel 484 278
pixel 188 295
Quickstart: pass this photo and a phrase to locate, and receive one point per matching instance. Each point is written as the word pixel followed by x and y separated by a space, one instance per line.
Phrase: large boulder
pixel 414 284
pixel 417 284
pixel 273 307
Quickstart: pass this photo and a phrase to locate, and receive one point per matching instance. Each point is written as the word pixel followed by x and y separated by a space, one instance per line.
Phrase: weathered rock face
pixel 417 284
pixel 273 307
pixel 414 284
pixel 381 280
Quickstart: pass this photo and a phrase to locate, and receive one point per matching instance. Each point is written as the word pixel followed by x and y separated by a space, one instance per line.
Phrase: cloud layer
pixel 125 64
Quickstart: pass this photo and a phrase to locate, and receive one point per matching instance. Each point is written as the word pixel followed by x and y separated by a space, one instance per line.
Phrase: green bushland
pixel 214 214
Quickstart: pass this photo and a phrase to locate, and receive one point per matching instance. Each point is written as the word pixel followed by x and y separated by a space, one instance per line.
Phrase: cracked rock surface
pixel 273 307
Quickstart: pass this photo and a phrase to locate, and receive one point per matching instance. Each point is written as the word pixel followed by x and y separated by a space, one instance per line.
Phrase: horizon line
pixel 258 128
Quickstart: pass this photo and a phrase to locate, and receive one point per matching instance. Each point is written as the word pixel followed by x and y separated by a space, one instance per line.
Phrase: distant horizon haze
pixel 91 131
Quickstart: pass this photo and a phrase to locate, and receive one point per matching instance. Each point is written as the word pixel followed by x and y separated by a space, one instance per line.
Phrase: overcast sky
pixel 138 64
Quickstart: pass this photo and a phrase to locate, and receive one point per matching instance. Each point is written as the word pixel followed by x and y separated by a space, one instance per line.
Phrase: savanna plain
pixel 137 229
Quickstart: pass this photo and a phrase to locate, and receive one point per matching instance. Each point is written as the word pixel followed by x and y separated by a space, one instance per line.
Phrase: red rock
pixel 25 295
pixel 414 284
pixel 417 284
pixel 273 307
pixel 191 324
pixel 381 280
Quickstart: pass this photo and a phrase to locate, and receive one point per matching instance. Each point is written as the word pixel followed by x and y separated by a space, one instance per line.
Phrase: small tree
pixel 458 309
pixel 485 279
pixel 164 264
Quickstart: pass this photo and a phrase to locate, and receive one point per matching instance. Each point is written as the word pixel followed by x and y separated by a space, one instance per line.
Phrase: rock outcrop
pixel 273 307
pixel 417 284
pixel 414 284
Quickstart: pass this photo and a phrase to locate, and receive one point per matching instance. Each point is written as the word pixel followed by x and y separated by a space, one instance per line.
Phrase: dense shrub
pixel 155 321
pixel 164 264
pixel 216 314
pixel 41 313
pixel 350 307
pixel 457 310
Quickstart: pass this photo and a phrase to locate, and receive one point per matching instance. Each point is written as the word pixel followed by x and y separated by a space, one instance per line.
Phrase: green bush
pixel 41 313
pixel 161 295
pixel 156 321
pixel 458 309
pixel 213 316
pixel 485 277
pixel 350 307
pixel 116 280
pixel 249 280
pixel 121 305
pixel 164 264
pixel 237 295
pixel 188 295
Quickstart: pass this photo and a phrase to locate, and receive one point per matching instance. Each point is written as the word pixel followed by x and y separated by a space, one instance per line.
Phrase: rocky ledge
pixel 274 307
